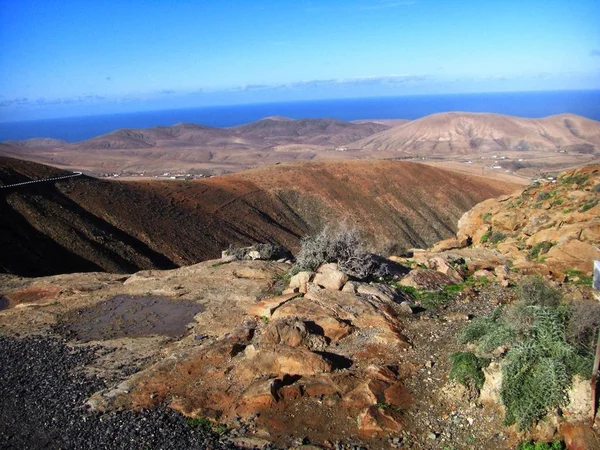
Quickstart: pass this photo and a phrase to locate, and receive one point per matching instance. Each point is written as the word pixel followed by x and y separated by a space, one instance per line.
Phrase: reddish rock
pixel 289 393
pixel 258 396
pixel 33 294
pixel 374 420
pixel 579 437
pixel 290 332
pixel 366 393
pixel 381 373
pixel 319 386
pixel 441 265
pixel 267 306
pixel 448 244
pixel 398 395
pixel 426 279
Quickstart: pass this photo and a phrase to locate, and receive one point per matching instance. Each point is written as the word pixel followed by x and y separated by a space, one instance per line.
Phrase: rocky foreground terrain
pixel 256 356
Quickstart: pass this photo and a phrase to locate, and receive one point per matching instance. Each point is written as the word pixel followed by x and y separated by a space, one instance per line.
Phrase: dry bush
pixel 583 326
pixel 534 291
pixel 342 245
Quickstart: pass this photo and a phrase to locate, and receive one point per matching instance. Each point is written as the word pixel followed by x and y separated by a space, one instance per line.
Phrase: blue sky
pixel 69 58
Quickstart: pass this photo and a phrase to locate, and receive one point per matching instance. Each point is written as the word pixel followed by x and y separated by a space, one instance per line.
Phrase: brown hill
pixel 185 147
pixel 83 223
pixel 459 133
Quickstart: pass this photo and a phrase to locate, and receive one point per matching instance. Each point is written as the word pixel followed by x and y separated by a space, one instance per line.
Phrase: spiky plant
pixel 538 370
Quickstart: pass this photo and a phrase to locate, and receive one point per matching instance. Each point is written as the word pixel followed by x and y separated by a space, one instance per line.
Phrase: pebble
pixel 42 394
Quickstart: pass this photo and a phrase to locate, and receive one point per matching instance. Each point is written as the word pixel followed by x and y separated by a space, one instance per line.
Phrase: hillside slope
pixel 84 224
pixel 462 133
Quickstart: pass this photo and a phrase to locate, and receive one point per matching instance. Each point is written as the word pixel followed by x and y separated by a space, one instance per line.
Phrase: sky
pixel 73 57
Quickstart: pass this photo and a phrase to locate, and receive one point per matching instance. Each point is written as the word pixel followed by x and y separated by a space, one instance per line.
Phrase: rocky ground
pixel 43 390
pixel 262 359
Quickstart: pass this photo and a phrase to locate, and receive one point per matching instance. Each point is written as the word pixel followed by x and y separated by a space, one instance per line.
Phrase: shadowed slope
pixel 123 226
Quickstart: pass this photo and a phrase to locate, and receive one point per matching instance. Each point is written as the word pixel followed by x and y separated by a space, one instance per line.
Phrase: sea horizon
pixel 530 104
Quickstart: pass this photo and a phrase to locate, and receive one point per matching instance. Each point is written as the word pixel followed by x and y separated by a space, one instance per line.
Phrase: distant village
pixel 164 176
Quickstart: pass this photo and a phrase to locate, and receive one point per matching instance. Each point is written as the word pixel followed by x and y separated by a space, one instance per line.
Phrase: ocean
pixel 523 104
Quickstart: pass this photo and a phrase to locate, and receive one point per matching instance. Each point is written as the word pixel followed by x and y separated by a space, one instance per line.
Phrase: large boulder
pixel 330 277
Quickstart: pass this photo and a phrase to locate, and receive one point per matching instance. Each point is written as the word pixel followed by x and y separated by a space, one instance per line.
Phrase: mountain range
pixel 527 146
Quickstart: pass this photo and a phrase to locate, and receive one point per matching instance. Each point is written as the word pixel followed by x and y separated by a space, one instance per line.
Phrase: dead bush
pixel 343 246
pixel 583 325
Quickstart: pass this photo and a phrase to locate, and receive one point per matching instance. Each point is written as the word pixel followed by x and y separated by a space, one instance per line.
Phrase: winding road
pixel 74 174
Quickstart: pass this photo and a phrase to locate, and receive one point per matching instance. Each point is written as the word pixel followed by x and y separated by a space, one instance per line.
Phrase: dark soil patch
pixel 130 316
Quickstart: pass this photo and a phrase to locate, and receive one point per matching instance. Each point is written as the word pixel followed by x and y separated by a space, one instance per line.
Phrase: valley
pixel 90 224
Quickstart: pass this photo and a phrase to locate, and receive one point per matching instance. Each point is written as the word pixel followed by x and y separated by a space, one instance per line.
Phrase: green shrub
pixel 537 371
pixel 467 369
pixel 488 333
pixel 539 249
pixel 542 358
pixel 486 217
pixel 486 236
pixel 497 237
pixel 532 445
pixel 543 196
pixel 536 291
pixel 579 178
pixel 588 205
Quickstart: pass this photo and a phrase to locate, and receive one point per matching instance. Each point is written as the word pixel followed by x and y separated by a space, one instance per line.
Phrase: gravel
pixel 42 394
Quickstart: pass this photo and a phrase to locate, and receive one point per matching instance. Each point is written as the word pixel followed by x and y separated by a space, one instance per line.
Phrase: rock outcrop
pixel 551 227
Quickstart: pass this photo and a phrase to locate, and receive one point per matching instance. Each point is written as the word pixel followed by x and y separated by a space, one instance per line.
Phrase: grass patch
pixel 486 237
pixel 588 205
pixel 579 178
pixel 532 445
pixel 467 369
pixel 543 196
pixel 578 278
pixel 486 217
pixel 539 249
pixel 206 424
pixel 497 236
pixel 219 264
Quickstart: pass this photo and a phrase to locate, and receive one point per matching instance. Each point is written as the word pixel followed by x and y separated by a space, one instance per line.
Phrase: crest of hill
pixel 261 134
pixel 310 131
pixel 113 226
pixel 37 142
pixel 467 133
